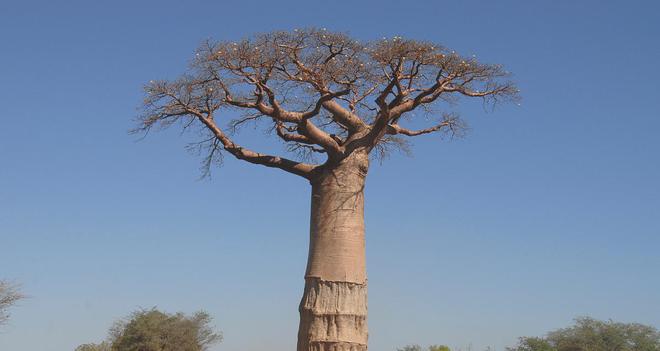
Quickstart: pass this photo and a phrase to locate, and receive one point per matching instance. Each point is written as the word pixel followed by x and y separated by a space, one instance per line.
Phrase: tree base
pixel 333 316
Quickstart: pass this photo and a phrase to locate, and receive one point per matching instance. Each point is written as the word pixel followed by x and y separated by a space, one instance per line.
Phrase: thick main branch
pixel 241 153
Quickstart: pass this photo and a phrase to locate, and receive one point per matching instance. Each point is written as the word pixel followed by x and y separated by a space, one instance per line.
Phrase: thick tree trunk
pixel 333 310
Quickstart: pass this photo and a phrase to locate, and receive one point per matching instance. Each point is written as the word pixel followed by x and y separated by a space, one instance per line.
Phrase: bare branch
pixel 450 123
pixel 241 153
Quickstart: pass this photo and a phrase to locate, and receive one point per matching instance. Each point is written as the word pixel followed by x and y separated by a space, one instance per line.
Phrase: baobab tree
pixel 328 96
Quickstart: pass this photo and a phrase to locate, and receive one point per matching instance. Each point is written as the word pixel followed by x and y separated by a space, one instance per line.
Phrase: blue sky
pixel 544 212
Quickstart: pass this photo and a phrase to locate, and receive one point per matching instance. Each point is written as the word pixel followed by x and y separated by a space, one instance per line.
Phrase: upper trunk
pixel 337 248
pixel 333 309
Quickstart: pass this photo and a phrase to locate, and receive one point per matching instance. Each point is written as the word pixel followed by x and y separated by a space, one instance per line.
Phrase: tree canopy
pixel 320 92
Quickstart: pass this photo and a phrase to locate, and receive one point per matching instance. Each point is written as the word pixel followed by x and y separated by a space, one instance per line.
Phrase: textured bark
pixel 333 310
pixel 333 316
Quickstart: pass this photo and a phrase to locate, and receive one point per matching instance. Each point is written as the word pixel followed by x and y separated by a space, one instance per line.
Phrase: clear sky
pixel 544 212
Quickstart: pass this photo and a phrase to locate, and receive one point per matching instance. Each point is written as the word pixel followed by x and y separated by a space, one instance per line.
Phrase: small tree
pixel 325 94
pixel 9 295
pixel 153 330
pixel 589 334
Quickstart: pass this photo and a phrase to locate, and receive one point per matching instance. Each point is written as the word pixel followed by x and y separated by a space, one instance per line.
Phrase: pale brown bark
pixel 333 310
